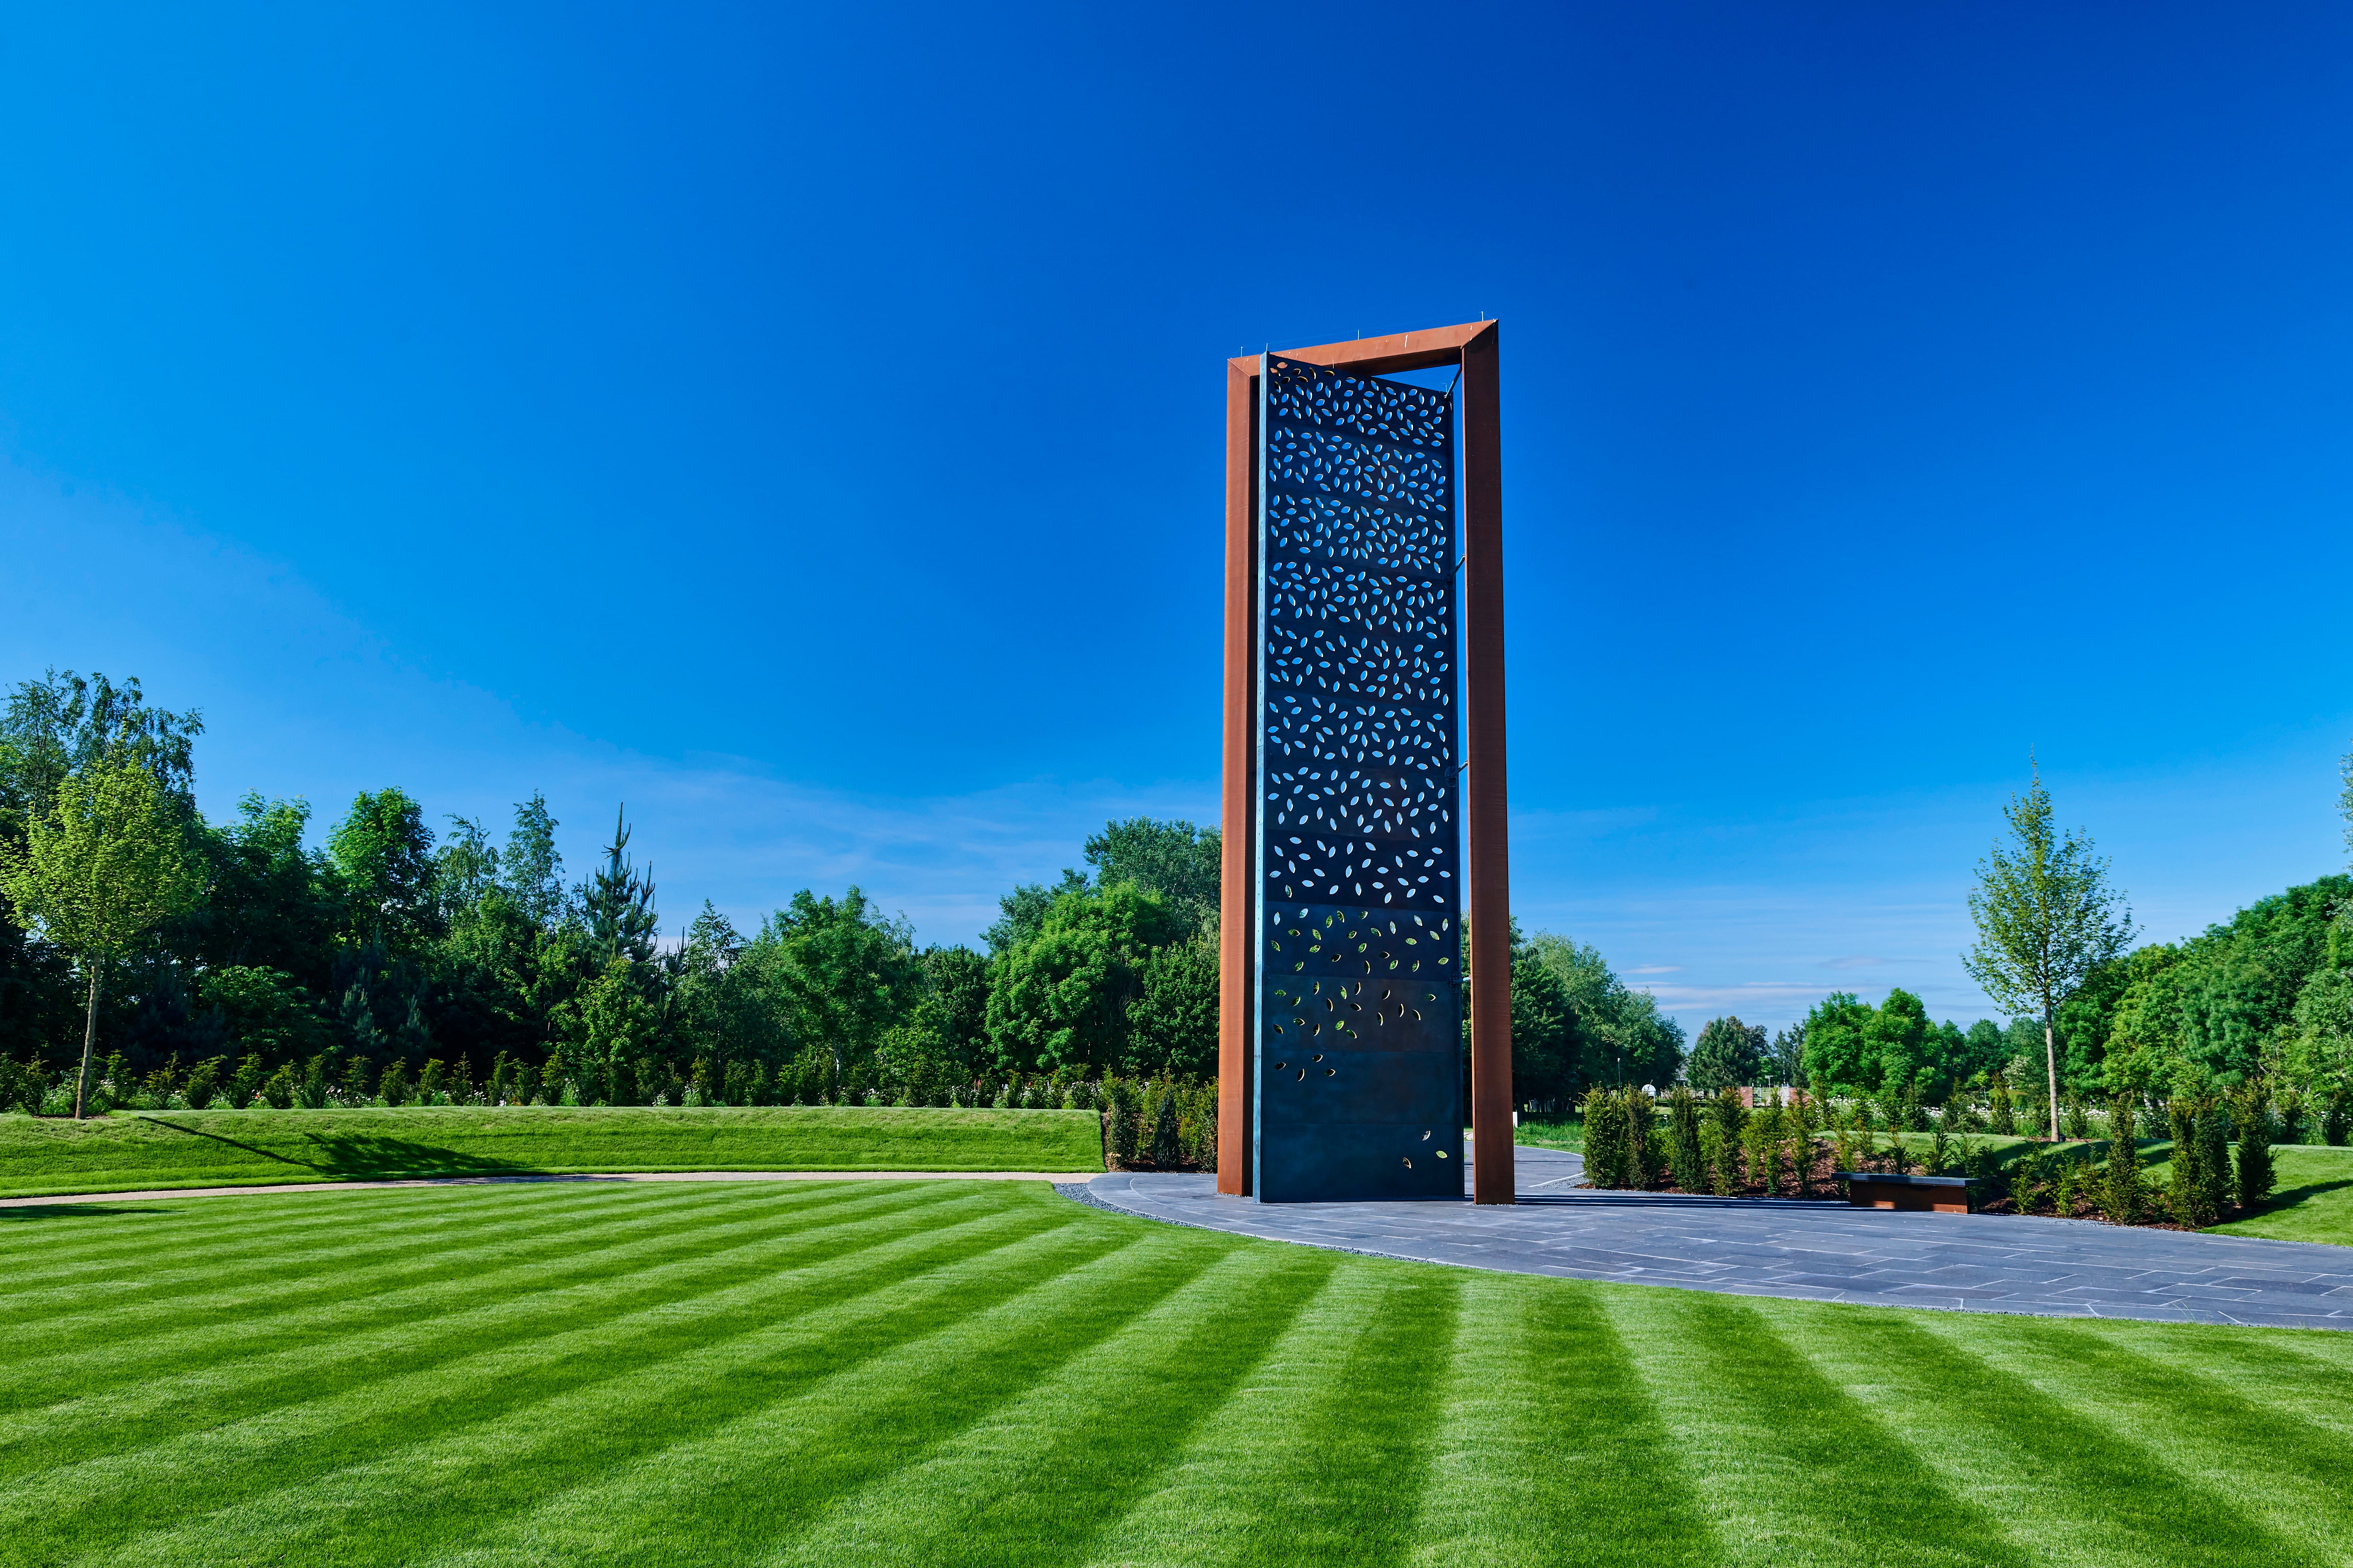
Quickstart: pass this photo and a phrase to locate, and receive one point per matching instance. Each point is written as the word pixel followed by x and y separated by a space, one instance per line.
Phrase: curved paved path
pixel 1810 1251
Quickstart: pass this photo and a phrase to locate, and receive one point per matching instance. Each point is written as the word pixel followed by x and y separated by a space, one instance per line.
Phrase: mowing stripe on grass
pixel 1007 1485
pixel 313 1332
pixel 2069 1489
pixel 1322 1455
pixel 2306 1375
pixel 538 1353
pixel 1790 1469
pixel 249 1297
pixel 1548 1447
pixel 226 1390
pixel 448 1485
pixel 2245 1484
pixel 267 1230
pixel 724 1496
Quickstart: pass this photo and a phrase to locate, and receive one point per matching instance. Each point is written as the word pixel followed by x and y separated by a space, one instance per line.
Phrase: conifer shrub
pixel 2079 1117
pixel 1999 1111
pixel 1122 1102
pixel 204 1083
pixel 1683 1155
pixel 2028 1176
pixel 2123 1195
pixel 2065 1188
pixel 2189 1194
pixel 1731 1116
pixel 2214 1156
pixel 1715 1160
pixel 394 1088
pixel 1646 1152
pixel 1605 1140
pixel 2337 1117
pixel 1764 1148
pixel 1167 1149
pixel 2255 1173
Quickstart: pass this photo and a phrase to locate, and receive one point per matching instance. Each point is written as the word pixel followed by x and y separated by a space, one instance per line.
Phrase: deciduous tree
pixel 2046 919
pixel 106 863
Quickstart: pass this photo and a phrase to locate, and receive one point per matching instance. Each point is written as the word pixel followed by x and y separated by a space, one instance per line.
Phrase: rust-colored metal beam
pixel 1236 904
pixel 1487 904
pixel 1395 352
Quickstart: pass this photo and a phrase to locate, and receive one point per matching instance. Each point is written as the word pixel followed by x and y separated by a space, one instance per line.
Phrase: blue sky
pixel 805 426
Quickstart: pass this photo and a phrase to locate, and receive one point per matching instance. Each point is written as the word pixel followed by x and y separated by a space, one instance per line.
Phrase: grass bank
pixel 132 1150
pixel 985 1373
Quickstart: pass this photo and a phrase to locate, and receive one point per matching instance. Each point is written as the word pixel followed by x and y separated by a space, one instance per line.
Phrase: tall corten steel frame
pixel 1485 900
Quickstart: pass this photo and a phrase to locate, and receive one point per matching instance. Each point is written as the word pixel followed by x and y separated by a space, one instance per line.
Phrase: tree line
pixel 397 962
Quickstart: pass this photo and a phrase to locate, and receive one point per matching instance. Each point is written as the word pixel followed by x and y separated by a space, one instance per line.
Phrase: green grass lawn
pixel 136 1151
pixel 984 1372
pixel 1541 1131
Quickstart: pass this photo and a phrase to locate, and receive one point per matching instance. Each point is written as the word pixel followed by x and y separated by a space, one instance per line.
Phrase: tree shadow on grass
pixel 71 1211
pixel 2295 1196
pixel 356 1157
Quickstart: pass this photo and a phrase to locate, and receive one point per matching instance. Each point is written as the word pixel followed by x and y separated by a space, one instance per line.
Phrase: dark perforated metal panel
pixel 1358 980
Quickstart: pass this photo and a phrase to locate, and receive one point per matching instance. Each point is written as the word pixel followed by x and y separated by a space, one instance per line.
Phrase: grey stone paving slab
pixel 1814 1251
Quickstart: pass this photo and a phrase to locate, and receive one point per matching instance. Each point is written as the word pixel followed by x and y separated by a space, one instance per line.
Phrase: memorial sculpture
pixel 1365 851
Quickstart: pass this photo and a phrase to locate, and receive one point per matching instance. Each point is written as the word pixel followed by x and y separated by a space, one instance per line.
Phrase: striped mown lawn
pixel 142 1151
pixel 985 1373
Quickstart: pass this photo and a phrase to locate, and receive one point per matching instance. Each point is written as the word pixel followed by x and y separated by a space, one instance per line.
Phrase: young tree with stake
pixel 2046 918
pixel 106 863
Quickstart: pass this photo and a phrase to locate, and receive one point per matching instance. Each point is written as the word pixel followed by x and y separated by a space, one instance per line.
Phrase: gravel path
pixel 1814 1251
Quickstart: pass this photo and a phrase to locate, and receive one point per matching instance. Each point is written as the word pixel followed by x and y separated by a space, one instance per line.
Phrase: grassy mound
pixel 983 1374
pixel 132 1150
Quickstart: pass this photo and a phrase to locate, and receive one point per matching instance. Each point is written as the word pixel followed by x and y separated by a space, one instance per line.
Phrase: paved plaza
pixel 1812 1251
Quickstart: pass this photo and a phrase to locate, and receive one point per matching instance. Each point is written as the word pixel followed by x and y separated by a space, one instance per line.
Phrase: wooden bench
pixel 1879 1190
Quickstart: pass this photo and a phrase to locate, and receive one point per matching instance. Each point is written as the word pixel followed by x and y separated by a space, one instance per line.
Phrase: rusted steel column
pixel 1239 823
pixel 1487 907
